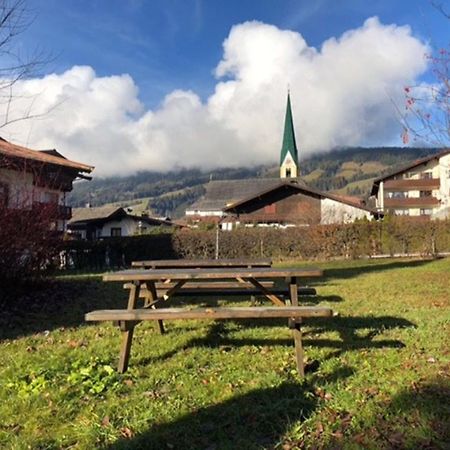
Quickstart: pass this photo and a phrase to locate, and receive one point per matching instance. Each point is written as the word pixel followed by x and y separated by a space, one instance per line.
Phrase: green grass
pixel 378 378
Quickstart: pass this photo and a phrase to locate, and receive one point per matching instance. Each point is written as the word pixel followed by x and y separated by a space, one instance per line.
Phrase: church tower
pixel 289 154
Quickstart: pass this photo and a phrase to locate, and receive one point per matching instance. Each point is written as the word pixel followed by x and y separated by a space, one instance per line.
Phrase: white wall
pixel 337 212
pixel 129 227
pixel 22 192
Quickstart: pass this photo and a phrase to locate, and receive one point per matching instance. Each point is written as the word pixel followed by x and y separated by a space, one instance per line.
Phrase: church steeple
pixel 289 154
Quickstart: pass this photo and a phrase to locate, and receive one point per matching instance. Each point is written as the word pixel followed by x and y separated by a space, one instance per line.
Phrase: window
pixel 288 173
pixel 426 211
pixel 425 193
pixel 398 194
pixel 426 175
pixel 51 197
pixel 116 232
pixel 401 212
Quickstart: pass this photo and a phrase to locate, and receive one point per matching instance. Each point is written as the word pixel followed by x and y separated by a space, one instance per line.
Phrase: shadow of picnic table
pixel 355 333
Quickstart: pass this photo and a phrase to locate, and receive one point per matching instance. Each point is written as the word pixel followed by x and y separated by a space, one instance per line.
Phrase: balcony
pixel 411 202
pixel 424 184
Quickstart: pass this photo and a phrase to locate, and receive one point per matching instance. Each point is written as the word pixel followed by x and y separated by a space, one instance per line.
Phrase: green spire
pixel 289 145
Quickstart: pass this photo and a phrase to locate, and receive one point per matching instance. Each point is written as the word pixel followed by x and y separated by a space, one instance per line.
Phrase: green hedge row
pixel 363 239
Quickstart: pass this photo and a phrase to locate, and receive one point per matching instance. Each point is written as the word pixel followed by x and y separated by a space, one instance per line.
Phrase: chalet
pixel 282 202
pixel 292 203
pixel 111 221
pixel 33 179
pixel 421 188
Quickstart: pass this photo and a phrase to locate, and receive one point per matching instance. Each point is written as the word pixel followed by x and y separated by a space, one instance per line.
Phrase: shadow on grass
pixel 355 333
pixel 416 418
pixel 350 272
pixel 51 304
pixel 255 420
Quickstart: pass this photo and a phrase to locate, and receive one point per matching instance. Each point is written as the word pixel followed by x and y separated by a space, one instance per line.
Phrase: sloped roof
pixel 409 166
pixel 221 193
pixel 46 156
pixel 98 213
pixel 105 213
pixel 285 189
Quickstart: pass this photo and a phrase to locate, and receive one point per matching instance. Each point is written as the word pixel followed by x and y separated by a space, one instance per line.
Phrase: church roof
pixel 289 144
pixel 222 193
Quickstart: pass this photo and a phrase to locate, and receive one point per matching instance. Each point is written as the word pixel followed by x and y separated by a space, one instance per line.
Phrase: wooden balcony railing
pixel 425 184
pixel 411 202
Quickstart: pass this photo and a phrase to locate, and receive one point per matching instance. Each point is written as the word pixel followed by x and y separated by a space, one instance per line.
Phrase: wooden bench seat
pixel 127 319
pixel 257 312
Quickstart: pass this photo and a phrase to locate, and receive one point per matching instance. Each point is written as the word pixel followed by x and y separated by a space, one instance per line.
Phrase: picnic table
pixel 288 307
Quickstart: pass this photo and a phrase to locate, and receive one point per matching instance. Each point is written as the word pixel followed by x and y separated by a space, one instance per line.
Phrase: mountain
pixel 348 171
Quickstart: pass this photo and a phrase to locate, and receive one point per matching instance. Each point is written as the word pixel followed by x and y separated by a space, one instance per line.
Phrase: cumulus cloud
pixel 342 94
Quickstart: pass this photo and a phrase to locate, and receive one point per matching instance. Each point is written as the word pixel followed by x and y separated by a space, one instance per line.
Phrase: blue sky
pixel 175 44
pixel 141 84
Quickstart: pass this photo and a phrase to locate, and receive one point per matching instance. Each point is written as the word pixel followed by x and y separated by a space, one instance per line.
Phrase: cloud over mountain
pixel 342 94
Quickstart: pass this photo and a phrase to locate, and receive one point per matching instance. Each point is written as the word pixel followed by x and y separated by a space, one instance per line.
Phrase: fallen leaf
pixel 106 422
pixel 126 432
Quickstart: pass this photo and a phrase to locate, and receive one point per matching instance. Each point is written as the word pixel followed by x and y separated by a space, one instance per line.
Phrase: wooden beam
pixel 127 335
pixel 272 297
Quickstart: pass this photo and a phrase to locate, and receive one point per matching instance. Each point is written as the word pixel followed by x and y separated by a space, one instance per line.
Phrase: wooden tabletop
pixel 193 263
pixel 211 273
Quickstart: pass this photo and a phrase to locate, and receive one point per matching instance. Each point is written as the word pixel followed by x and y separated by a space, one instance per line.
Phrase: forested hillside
pixel 347 171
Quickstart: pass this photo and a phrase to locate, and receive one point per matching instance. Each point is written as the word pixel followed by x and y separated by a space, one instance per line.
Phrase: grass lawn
pixel 378 378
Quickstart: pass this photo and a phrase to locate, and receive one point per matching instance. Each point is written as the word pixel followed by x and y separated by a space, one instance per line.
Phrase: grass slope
pixel 379 373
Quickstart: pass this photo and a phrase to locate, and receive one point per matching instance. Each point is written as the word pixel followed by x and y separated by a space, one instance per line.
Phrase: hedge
pixel 361 239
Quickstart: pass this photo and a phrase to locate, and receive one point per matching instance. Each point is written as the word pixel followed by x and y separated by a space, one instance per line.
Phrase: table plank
pixel 193 263
pixel 211 273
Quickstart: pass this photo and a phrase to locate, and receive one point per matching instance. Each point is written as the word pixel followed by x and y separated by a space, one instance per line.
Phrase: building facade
pixel 111 221
pixel 420 189
pixel 32 179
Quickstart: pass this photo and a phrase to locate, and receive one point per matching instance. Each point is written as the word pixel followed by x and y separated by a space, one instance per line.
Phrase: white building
pixel 421 188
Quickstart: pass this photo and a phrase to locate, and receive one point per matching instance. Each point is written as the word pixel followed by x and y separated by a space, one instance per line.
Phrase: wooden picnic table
pixel 199 263
pixel 179 277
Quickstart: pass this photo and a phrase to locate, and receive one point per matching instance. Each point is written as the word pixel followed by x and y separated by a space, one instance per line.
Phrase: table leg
pixel 127 335
pixel 153 296
pixel 296 327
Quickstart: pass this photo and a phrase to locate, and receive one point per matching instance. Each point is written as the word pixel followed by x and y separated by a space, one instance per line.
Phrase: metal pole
pixel 217 240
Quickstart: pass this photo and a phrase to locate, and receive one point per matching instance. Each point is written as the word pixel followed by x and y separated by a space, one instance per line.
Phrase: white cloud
pixel 341 94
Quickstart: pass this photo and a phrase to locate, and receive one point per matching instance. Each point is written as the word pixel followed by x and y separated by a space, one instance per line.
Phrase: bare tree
pixel 426 113
pixel 15 19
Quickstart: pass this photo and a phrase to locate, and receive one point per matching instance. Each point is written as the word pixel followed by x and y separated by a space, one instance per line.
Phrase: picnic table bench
pixel 289 307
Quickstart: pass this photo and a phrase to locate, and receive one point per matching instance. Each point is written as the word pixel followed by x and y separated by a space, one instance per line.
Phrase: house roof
pixel 221 193
pixel 289 144
pixel 105 213
pixel 98 213
pixel 285 189
pixel 45 156
pixel 409 166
